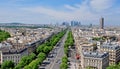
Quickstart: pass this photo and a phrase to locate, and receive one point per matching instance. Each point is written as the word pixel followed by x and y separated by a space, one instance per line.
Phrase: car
pixel 57 60
pixel 69 63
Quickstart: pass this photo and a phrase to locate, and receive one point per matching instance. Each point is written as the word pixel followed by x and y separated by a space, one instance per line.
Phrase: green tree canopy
pixel 64 66
pixel 25 60
pixel 42 55
pixel 4 35
pixel 7 65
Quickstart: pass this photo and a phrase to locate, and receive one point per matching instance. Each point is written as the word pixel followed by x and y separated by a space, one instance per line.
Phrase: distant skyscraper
pixel 102 23
pixel 75 23
pixel 65 23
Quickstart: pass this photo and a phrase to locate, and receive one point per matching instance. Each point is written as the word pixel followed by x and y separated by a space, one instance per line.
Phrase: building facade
pixel 114 52
pixel 14 56
pixel 95 60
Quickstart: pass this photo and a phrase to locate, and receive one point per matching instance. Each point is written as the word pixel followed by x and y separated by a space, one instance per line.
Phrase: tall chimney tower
pixel 102 23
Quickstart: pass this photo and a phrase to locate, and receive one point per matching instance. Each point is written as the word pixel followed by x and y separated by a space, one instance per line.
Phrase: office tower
pixel 75 23
pixel 65 24
pixel 102 23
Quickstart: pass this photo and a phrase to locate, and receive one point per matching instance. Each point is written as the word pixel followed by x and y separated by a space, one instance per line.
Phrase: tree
pixel 113 67
pixel 40 48
pixel 25 60
pixel 65 59
pixel 41 55
pixel 7 65
pixel 66 51
pixel 48 43
pixel 32 65
pixel 63 66
pixel 46 49
pixel 19 66
pixel 32 56
pixel 4 35
pixel 27 67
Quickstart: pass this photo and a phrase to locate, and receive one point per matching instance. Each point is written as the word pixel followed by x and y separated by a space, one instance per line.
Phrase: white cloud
pixel 50 12
pixel 70 7
pixel 81 13
pixel 100 5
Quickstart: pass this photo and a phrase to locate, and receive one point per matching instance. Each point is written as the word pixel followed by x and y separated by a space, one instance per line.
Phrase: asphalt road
pixel 53 61
pixel 60 54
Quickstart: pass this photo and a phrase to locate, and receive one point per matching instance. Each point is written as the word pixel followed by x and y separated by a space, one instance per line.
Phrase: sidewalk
pixel 74 65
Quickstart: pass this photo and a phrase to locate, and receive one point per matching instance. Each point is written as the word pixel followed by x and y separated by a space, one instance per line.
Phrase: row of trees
pixel 64 64
pixel 7 65
pixel 40 55
pixel 25 60
pixel 34 64
pixel 49 45
pixel 4 35
pixel 69 42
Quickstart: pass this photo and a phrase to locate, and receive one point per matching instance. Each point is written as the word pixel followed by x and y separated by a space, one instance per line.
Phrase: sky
pixel 58 11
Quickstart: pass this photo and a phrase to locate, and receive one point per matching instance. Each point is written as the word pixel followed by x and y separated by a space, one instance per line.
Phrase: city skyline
pixel 53 11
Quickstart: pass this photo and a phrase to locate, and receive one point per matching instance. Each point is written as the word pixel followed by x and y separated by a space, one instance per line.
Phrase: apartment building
pixel 12 54
pixel 95 60
pixel 113 50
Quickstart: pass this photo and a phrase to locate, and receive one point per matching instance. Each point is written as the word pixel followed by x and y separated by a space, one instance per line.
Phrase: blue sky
pixel 57 11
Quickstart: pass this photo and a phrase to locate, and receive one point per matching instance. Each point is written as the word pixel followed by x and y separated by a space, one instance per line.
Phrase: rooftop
pixel 110 46
pixel 95 54
pixel 12 51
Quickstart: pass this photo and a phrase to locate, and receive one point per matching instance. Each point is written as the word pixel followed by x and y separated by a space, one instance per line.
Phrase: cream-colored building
pixel 114 52
pixel 96 60
pixel 13 55
pixel 88 47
